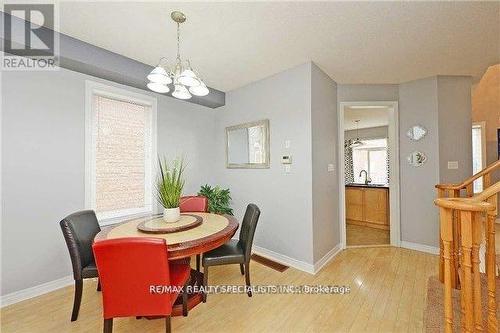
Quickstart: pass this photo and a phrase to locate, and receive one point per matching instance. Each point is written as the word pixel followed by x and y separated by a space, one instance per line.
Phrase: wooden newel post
pixel 466 266
pixel 469 212
pixel 476 275
pixel 441 194
pixel 491 269
pixel 446 231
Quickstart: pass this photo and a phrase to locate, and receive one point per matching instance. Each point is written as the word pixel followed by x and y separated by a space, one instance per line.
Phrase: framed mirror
pixel 416 132
pixel 247 145
pixel 416 159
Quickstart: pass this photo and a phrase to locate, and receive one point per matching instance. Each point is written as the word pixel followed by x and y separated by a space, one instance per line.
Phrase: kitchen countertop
pixel 368 185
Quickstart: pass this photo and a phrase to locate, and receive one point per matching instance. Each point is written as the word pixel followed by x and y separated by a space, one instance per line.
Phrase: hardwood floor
pixel 361 235
pixel 388 294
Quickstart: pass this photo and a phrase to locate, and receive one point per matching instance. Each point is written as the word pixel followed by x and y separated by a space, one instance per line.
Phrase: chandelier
pixel 357 142
pixel 185 80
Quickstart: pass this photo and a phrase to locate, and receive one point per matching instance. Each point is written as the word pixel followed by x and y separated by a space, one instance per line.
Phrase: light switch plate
pixel 286 159
pixel 452 165
pixel 287 143
pixel 288 168
pixel 331 168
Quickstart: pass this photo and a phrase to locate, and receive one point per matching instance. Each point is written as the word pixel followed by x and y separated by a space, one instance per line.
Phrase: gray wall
pixel 367 92
pixel 325 187
pixel 43 166
pixel 454 104
pixel 43 159
pixel 285 225
pixel 442 105
pixel 418 104
pixel 368 133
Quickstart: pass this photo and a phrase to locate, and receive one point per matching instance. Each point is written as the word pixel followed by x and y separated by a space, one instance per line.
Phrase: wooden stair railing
pixel 470 212
pixel 456 191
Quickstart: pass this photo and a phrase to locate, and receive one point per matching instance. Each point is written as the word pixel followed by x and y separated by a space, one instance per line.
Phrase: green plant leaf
pixel 169 182
pixel 219 200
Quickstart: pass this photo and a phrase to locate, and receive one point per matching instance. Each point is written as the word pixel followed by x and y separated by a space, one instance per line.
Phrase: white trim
pixel 394 183
pixel 282 259
pixel 297 264
pixel 318 265
pixel 482 125
pixel 420 247
pixel 484 164
pixel 31 292
pixel 368 246
pixel 94 88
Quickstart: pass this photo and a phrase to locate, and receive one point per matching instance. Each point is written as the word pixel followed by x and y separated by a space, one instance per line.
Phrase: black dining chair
pixel 79 230
pixel 235 251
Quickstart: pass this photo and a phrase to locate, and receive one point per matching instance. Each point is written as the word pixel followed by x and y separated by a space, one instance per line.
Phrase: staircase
pixel 469 298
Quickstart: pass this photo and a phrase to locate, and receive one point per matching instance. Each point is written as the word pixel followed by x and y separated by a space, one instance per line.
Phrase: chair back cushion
pixel 128 268
pixel 79 230
pixel 247 230
pixel 194 204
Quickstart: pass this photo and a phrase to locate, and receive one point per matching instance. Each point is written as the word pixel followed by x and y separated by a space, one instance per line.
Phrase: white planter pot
pixel 171 215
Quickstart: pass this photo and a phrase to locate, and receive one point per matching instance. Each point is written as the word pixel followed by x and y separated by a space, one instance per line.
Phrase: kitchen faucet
pixel 367 179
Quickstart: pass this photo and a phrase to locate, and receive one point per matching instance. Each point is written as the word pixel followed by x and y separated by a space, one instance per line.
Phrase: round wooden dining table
pixel 213 231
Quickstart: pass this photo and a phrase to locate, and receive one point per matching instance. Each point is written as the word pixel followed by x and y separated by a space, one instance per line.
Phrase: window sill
pixel 115 220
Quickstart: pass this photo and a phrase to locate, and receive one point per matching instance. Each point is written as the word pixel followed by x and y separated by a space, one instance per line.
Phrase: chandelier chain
pixel 178 42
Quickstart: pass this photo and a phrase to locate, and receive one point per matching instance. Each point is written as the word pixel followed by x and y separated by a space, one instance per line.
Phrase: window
pixel 372 157
pixel 478 153
pixel 120 147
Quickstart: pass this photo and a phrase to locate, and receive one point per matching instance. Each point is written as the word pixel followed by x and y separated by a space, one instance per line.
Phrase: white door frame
pixel 393 144
pixel 482 125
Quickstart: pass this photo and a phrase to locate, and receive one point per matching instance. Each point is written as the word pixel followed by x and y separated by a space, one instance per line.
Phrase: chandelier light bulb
pixel 159 75
pixel 158 87
pixel 181 92
pixel 199 90
pixel 188 78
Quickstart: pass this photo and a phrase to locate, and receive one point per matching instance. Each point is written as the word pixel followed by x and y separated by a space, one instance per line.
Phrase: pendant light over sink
pixel 185 80
pixel 357 142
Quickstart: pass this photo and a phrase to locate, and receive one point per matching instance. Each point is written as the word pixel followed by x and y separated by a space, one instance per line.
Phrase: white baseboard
pixel 420 247
pixel 326 258
pixel 31 292
pixel 285 260
pixel 297 264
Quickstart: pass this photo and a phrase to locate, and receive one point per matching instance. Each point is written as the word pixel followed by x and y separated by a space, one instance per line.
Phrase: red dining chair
pixel 193 203
pixel 130 269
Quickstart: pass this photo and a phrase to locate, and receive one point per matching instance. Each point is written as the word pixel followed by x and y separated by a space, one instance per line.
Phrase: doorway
pixel 368 154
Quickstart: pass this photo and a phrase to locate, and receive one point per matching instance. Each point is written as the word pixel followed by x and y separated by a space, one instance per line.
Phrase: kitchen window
pixel 372 157
pixel 120 152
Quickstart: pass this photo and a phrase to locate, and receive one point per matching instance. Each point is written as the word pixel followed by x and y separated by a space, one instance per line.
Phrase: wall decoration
pixel 416 159
pixel 416 132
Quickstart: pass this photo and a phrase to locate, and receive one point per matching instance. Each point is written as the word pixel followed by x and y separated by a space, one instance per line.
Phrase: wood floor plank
pixel 388 290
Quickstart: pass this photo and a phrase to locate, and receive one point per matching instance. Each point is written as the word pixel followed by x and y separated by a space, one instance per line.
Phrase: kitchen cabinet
pixel 367 206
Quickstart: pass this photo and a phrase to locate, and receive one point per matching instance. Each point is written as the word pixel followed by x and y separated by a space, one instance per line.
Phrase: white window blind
pixel 121 156
pixel 372 157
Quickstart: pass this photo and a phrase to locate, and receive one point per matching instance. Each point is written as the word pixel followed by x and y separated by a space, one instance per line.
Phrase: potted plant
pixel 169 185
pixel 218 199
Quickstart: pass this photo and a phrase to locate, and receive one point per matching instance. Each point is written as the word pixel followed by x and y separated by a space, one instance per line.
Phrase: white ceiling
pixel 367 118
pixel 235 43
